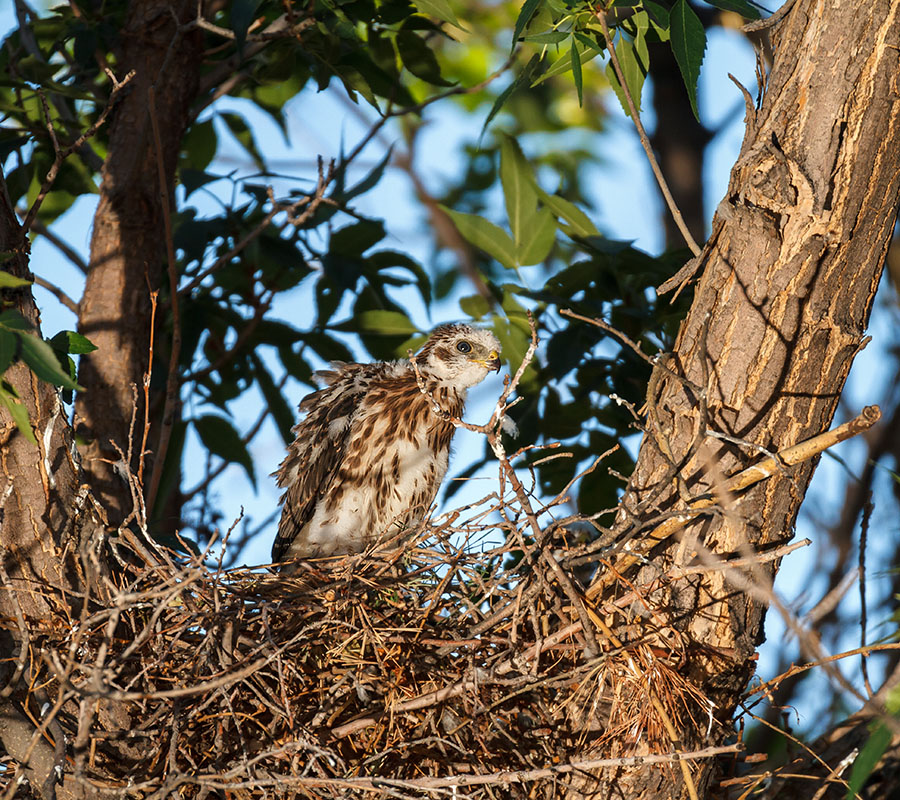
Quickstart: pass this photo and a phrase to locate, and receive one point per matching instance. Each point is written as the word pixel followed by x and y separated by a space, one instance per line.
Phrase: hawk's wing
pixel 316 453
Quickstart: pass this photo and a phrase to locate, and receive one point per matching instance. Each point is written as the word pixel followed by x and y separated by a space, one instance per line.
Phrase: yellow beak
pixel 493 361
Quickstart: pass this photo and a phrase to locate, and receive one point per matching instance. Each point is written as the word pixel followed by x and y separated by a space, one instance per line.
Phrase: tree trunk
pixel 46 522
pixel 788 279
pixel 128 243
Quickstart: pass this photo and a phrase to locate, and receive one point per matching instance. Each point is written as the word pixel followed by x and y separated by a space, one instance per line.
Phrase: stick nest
pixel 401 673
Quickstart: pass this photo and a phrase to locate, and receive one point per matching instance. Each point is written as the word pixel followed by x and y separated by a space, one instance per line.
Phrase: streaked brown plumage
pixel 372 450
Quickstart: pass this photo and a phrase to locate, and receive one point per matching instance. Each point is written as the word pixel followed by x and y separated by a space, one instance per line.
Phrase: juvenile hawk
pixel 372 450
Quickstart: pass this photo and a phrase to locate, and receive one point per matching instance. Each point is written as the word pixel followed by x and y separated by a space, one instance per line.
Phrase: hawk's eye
pixel 464 347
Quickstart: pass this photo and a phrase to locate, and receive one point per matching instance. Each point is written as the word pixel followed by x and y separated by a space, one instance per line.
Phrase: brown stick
pixel 769 466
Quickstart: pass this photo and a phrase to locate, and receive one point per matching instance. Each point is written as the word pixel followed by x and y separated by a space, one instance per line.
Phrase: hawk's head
pixel 460 354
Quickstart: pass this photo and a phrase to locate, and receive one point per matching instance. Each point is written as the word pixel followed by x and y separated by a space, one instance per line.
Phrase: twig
pixel 63 153
pixel 645 140
pixel 768 22
pixel 66 249
pixel 498 778
pixel 154 296
pixel 58 293
pixel 791 456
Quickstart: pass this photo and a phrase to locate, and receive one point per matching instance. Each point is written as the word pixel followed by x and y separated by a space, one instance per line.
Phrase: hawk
pixel 372 450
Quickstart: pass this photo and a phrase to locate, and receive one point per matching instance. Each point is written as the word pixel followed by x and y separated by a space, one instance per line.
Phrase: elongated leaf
pixel 40 356
pixel 576 74
pixel 742 7
pixel 563 64
pixel 518 186
pixel 868 758
pixel 370 180
pixel 419 58
pixel 522 79
pixel 12 320
pixel 475 306
pixel 8 281
pixel 688 45
pixel 242 14
pixel 486 236
pixel 387 323
pixel 17 411
pixel 525 15
pixel 658 13
pixel 278 407
pixel 8 343
pixel 72 342
pixel 244 134
pixel 537 239
pixel 580 222
pixel 547 37
pixel 439 9
pixel 221 439
pixel 633 70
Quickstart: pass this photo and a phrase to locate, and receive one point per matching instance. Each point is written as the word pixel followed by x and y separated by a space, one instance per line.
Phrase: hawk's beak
pixel 493 362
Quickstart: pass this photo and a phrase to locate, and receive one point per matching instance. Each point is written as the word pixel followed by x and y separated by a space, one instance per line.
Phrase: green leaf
pixel 868 759
pixel 564 63
pixel 688 45
pixel 475 306
pixel 355 239
pixel 14 321
pixel 419 58
pixel 369 181
pixel 243 133
pixel 193 179
pixel 518 186
pixel 386 323
pixel 17 411
pixel 40 356
pixel 8 281
pixel 658 13
pixel 538 238
pixel 634 60
pixel 439 9
pixel 198 146
pixel 486 236
pixel 521 80
pixel 741 6
pixel 580 222
pixel 525 15
pixel 277 405
pixel 576 75
pixel 243 13
pixel 547 37
pixel 72 342
pixel 8 344
pixel 221 439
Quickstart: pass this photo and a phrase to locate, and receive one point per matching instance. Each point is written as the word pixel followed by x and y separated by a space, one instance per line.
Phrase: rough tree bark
pixel 47 520
pixel 128 243
pixel 788 279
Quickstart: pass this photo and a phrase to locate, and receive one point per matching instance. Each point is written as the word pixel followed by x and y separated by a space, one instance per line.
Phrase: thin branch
pixel 645 140
pixel 63 153
pixel 58 293
pixel 66 249
pixel 766 468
